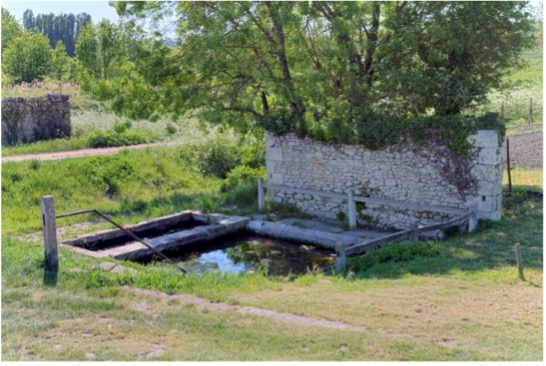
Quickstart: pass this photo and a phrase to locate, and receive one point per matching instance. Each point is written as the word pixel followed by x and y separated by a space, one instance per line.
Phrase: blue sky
pixel 98 9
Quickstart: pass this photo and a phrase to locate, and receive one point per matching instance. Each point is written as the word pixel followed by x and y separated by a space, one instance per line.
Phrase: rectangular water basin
pixel 204 242
pixel 244 252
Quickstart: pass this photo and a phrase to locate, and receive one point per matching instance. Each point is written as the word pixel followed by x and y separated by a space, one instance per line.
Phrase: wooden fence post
pixel 519 259
pixel 261 198
pixel 351 209
pixel 472 223
pixel 341 257
pixel 51 257
pixel 508 168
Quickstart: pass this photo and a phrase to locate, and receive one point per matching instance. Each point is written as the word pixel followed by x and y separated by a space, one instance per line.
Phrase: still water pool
pixel 251 254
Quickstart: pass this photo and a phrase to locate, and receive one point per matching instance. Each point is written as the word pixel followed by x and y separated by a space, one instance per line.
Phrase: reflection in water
pixel 256 254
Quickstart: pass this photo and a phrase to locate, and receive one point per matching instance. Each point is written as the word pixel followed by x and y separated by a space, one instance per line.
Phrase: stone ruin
pixel 26 120
pixel 402 175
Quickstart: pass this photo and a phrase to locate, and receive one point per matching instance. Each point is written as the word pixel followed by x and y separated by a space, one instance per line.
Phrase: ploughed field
pixel 526 148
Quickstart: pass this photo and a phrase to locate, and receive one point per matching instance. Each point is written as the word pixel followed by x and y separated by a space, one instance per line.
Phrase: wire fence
pixel 523 163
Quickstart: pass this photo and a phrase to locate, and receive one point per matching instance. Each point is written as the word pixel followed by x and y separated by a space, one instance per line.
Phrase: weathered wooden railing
pixel 352 199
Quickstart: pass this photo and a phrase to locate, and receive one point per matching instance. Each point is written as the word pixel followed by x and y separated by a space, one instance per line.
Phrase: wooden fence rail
pixel 352 199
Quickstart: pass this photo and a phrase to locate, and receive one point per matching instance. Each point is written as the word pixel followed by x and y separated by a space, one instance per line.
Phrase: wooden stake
pixel 261 198
pixel 51 257
pixel 519 258
pixel 508 166
pixel 351 209
pixel 341 257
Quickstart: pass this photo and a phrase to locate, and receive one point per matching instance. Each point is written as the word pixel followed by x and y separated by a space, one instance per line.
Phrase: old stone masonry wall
pixel 27 120
pixel 404 173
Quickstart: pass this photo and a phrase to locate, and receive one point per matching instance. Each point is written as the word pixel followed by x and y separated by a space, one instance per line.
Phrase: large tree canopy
pixel 314 67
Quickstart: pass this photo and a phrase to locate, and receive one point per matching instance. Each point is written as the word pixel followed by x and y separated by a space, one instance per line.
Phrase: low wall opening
pixel 407 173
pixel 26 120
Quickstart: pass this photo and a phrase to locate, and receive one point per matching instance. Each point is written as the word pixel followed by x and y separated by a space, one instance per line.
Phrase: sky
pixel 98 9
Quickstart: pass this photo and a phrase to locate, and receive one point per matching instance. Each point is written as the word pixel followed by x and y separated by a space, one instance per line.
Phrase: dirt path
pixel 83 153
pixel 217 306
pixel 526 147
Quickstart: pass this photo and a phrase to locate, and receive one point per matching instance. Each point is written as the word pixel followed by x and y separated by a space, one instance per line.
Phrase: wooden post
pixel 51 257
pixel 519 258
pixel 351 209
pixel 414 234
pixel 341 257
pixel 508 166
pixel 473 220
pixel 261 198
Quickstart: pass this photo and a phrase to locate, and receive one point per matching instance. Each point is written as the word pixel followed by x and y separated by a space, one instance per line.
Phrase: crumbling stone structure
pixel 26 120
pixel 405 174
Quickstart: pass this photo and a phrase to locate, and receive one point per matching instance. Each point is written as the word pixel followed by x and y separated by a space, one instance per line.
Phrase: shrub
pixel 242 174
pixel 111 138
pixel 217 157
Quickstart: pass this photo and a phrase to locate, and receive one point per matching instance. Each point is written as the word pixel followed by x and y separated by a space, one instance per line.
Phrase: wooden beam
pixel 51 256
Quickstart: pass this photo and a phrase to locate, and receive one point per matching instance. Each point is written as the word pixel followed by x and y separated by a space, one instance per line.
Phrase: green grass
pixel 129 185
pixel 89 315
pixel 532 178
pixel 522 85
pixel 455 300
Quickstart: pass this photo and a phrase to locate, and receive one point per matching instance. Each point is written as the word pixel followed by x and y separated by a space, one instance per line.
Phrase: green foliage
pixel 116 137
pixel 222 151
pixel 242 174
pixel 63 27
pixel 341 216
pixel 132 185
pixel 217 157
pixel 10 29
pixel 379 64
pixel 60 62
pixel 27 58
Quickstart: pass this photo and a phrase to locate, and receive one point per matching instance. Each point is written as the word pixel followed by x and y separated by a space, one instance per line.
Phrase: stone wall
pixel 403 173
pixel 27 120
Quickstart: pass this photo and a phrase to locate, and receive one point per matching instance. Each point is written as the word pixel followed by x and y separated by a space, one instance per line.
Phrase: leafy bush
pixel 217 158
pixel 242 174
pixel 109 174
pixel 112 138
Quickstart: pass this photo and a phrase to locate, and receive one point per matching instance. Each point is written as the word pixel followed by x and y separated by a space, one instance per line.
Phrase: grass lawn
pixel 455 300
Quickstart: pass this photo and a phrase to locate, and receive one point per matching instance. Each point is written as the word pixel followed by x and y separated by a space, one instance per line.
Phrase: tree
pixel 323 66
pixel 59 61
pixel 27 58
pixel 107 46
pixel 100 48
pixel 87 50
pixel 62 27
pixel 10 29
